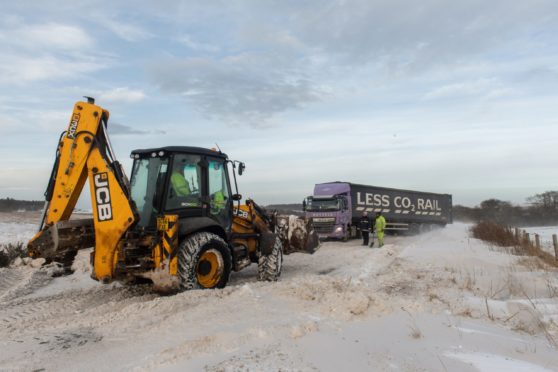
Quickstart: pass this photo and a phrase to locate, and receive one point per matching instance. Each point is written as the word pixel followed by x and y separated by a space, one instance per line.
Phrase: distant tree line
pixel 293 208
pixel 13 205
pixel 542 210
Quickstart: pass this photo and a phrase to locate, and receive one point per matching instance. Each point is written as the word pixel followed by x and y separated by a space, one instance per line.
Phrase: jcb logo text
pixel 102 197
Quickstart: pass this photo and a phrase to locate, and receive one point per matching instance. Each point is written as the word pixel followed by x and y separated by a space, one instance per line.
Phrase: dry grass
pixel 415 331
pixel 9 252
pixel 494 233
pixel 504 236
pixel 466 313
pixel 532 263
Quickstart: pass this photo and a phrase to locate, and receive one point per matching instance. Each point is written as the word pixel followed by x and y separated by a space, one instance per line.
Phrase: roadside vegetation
pixel 542 210
pixel 10 252
pixel 13 205
pixel 504 236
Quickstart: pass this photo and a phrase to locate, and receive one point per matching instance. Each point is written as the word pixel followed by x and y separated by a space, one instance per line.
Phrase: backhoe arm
pixel 84 152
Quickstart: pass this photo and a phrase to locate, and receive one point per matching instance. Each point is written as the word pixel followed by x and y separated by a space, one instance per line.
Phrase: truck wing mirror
pixel 236 197
pixel 241 168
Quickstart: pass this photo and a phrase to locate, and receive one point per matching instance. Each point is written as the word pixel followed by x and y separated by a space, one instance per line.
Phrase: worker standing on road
pixel 364 227
pixel 380 226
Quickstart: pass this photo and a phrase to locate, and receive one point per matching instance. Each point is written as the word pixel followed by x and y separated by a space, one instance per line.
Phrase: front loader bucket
pixel 297 234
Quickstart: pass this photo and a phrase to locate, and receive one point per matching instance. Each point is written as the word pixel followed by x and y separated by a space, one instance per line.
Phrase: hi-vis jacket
pixel 380 224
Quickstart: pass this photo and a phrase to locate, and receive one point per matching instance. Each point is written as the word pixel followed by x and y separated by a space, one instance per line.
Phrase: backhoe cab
pixel 176 222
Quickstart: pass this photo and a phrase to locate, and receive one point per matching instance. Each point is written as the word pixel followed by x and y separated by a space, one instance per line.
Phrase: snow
pixel 438 301
pixel 545 234
pixel 485 362
pixel 13 232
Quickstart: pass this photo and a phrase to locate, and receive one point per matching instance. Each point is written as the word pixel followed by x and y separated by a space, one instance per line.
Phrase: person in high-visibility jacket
pixel 218 202
pixel 179 184
pixel 380 226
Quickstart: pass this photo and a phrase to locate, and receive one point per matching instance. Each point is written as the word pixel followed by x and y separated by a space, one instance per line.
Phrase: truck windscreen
pixel 314 205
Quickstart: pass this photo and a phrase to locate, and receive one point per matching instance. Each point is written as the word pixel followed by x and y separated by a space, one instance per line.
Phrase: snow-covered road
pixel 439 301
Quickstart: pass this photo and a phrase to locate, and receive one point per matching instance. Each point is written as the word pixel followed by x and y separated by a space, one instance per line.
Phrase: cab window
pixel 185 179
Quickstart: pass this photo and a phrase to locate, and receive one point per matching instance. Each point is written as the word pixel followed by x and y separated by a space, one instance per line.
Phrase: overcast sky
pixel 453 97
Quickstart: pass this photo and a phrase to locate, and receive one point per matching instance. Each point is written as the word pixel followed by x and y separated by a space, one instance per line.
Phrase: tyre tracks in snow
pixel 23 308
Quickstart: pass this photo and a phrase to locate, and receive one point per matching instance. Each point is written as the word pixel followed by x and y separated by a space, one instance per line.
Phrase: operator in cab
pixel 179 184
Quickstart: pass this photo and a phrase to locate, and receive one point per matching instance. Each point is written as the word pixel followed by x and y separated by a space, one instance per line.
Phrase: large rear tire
pixel 269 266
pixel 204 262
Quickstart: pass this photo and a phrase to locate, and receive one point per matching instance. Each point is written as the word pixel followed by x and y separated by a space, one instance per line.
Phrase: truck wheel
pixel 204 261
pixel 270 265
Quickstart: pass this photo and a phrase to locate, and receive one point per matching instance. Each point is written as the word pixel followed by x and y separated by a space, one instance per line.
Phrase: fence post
pixel 537 241
pixel 527 238
pixel 555 243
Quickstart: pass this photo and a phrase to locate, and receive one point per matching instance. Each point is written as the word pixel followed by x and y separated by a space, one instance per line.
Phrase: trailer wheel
pixel 270 265
pixel 204 261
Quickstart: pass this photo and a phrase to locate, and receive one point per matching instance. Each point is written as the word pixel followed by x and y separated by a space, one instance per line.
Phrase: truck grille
pixel 323 225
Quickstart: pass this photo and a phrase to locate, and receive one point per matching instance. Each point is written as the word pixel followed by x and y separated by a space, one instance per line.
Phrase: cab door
pixel 219 192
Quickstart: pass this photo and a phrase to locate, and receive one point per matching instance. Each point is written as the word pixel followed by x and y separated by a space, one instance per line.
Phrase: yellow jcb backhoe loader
pixel 175 222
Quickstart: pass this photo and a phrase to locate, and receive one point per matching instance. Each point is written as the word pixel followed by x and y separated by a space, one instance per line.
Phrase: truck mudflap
pixel 297 234
pixel 61 241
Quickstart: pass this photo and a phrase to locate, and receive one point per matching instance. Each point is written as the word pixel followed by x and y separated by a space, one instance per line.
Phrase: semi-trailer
pixel 336 207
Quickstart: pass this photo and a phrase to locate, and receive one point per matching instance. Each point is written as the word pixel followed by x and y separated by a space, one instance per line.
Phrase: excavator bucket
pixel 61 241
pixel 297 234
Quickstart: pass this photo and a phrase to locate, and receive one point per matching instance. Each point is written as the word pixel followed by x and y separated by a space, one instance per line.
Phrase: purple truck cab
pixel 329 208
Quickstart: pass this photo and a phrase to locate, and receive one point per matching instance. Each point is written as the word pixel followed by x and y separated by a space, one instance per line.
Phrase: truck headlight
pixel 339 229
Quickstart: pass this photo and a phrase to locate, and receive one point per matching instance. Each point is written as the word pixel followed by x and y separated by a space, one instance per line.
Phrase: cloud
pixel 125 31
pixel 45 36
pixel 189 42
pixel 20 69
pixel 116 129
pixel 406 37
pixel 121 129
pixel 486 88
pixel 47 51
pixel 52 35
pixel 277 57
pixel 237 89
pixel 122 94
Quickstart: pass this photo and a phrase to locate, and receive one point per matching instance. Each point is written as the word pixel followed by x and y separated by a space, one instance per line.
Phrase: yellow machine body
pixel 82 155
pixel 127 248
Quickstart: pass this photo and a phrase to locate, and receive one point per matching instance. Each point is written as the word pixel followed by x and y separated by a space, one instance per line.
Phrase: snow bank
pixel 438 301
pixel 545 233
pixel 16 232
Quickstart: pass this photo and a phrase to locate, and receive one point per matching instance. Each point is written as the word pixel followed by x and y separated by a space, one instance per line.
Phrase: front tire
pixel 204 262
pixel 269 266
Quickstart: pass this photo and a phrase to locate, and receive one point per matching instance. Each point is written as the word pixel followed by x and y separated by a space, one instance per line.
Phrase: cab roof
pixel 181 150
